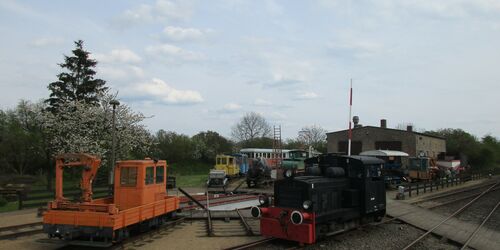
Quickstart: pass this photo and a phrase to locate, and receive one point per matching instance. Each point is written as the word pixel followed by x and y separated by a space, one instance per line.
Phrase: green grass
pixel 10 206
pixel 198 180
pixel 192 168
pixel 194 174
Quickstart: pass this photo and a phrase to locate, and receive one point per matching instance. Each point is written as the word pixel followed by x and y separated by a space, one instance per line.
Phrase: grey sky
pixel 201 65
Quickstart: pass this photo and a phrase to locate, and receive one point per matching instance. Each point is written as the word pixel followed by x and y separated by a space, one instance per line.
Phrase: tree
pixel 21 147
pixel 250 127
pixel 174 147
pixel 314 136
pixel 84 127
pixel 260 142
pixel 77 83
pixel 208 144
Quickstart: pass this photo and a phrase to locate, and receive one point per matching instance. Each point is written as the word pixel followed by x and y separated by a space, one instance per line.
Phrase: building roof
pixel 383 153
pixel 390 129
pixel 261 150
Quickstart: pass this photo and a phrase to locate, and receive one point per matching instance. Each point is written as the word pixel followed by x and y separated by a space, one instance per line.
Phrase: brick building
pixel 375 138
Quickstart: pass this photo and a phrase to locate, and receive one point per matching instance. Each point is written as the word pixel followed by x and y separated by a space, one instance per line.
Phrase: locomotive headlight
pixel 263 200
pixel 255 211
pixel 307 204
pixel 288 173
pixel 296 218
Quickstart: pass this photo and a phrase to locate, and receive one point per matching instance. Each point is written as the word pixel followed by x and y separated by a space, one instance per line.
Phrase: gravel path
pixel 385 236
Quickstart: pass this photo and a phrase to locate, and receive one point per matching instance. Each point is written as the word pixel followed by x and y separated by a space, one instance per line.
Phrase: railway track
pixel 231 224
pixel 251 244
pixel 11 232
pixel 454 196
pixel 457 212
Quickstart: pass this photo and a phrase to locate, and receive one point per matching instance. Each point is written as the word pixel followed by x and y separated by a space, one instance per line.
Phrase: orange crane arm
pixel 90 166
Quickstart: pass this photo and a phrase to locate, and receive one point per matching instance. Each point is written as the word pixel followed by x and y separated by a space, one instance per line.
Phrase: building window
pixel 160 173
pixel 150 173
pixel 128 176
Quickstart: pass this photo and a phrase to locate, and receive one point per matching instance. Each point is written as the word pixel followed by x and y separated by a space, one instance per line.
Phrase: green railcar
pixel 295 160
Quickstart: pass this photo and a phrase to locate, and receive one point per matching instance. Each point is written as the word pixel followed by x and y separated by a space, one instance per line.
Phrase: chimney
pixel 409 128
pixel 383 123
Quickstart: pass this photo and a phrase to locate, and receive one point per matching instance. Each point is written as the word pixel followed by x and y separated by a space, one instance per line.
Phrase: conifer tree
pixel 77 82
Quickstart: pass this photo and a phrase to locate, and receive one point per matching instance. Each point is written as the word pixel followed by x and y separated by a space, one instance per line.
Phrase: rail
pixel 248 229
pixel 19 230
pixel 460 210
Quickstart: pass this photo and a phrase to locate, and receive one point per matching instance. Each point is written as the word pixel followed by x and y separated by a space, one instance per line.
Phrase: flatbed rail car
pixel 139 202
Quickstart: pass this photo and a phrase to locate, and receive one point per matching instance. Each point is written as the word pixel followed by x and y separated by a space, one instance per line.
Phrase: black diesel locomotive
pixel 336 194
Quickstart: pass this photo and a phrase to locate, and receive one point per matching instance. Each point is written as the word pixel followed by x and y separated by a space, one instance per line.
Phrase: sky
pixel 193 66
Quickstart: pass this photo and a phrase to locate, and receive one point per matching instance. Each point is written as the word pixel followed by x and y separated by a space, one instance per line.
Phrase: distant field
pixel 192 180
pixel 190 174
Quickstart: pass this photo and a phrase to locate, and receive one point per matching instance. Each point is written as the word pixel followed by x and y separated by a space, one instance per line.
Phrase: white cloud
pixel 262 102
pixel 120 73
pixel 118 56
pixel 47 41
pixel 177 34
pixel 231 108
pixel 166 93
pixel 173 53
pixel 307 95
pixel 161 10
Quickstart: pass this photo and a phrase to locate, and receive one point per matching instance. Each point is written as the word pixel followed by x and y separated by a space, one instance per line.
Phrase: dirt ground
pixel 192 235
pixel 18 217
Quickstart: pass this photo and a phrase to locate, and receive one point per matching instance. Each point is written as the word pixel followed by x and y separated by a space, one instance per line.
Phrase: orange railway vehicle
pixel 140 201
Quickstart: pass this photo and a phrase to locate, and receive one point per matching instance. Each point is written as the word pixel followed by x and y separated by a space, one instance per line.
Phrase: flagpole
pixel 350 121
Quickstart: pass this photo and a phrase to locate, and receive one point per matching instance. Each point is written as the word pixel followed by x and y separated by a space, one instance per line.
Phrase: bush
pixel 3 201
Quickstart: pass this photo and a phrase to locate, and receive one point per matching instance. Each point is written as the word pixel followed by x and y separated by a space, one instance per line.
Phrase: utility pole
pixel 115 103
pixel 350 124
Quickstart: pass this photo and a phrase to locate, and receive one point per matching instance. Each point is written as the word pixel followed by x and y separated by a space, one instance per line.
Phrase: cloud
pixel 46 41
pixel 173 53
pixel 306 95
pixel 230 108
pixel 118 56
pixel 123 72
pixel 262 102
pixel 178 34
pixel 165 93
pixel 161 10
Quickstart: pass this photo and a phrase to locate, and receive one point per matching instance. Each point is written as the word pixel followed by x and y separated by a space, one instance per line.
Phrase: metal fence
pixel 39 198
pixel 417 188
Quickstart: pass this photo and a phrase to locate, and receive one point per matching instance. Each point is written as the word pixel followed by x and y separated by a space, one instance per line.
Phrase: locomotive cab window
pixel 150 175
pixel 230 161
pixel 373 170
pixel 160 173
pixel 128 176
